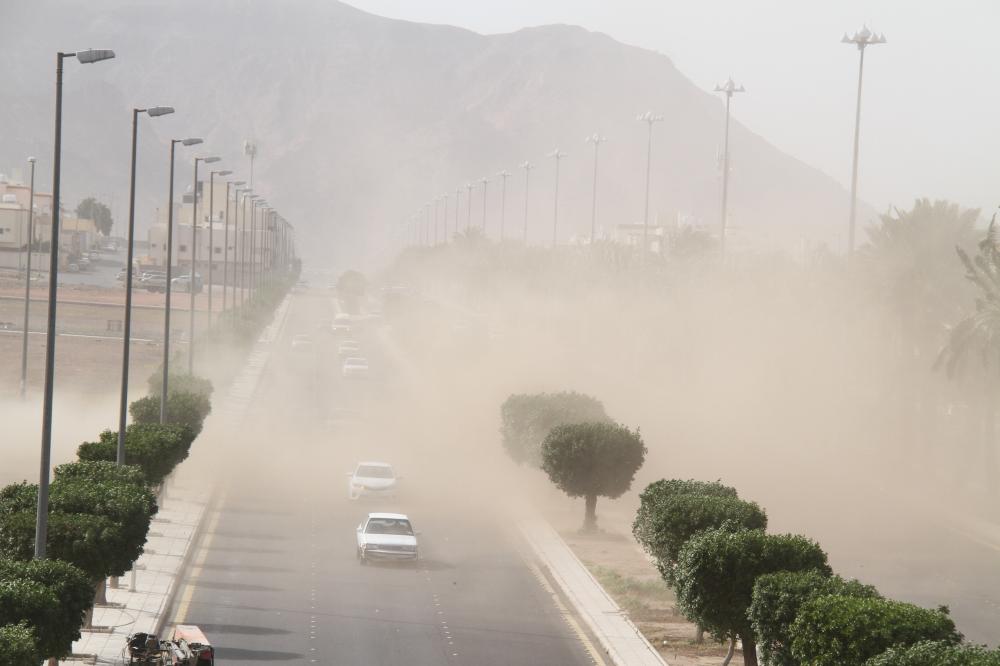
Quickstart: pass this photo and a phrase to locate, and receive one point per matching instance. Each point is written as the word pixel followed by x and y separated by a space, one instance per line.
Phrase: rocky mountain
pixel 361 119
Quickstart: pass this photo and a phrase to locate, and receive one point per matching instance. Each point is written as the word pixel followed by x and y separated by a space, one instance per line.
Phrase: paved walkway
pixel 622 642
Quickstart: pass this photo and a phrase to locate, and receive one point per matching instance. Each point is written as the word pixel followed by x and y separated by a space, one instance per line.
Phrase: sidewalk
pixel 143 601
pixel 621 640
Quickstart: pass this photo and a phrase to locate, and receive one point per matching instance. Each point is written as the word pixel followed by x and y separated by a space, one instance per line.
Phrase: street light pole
pixel 129 254
pixel 558 156
pixel 194 256
pixel 527 166
pixel 27 281
pixel 458 198
pixel 225 244
pixel 437 200
pixel 650 119
pixel 170 258
pixel 42 514
pixel 861 39
pixel 485 181
pixel 729 88
pixel 597 140
pixel 211 235
pixel 468 219
pixel 444 217
pixel 504 175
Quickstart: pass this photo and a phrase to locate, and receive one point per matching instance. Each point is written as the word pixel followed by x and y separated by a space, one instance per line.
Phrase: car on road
pixel 372 479
pixel 156 282
pixel 348 348
pixel 355 367
pixel 301 343
pixel 341 325
pixel 387 536
pixel 183 283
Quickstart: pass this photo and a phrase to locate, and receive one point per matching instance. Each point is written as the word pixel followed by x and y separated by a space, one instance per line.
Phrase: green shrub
pixel 102 470
pixel 50 595
pixel 92 543
pixel 180 383
pixel 717 568
pixel 663 526
pixel 847 631
pixel 777 598
pixel 156 449
pixel 186 409
pixel 525 420
pixel 19 645
pixel 937 653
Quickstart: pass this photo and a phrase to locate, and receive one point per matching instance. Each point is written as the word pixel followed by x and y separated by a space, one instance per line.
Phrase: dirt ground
pixel 615 559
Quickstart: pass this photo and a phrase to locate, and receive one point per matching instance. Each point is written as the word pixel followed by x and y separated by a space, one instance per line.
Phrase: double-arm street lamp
pixel 244 241
pixel 194 255
pixel 527 166
pixel 597 140
pixel 41 518
pixel 211 235
pixel 167 287
pixel 485 181
pixel 458 198
pixel 862 38
pixel 729 88
pixel 650 119
pixel 558 156
pixel 152 112
pixel 27 281
pixel 468 219
pixel 503 175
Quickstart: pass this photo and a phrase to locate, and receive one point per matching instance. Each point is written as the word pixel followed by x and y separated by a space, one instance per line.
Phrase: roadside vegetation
pixel 100 512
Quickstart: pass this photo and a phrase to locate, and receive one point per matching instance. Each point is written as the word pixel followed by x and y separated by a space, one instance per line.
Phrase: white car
pixel 348 348
pixel 387 536
pixel 355 367
pixel 301 343
pixel 372 479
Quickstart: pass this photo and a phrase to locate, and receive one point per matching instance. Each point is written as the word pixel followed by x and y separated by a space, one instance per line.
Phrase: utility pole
pixel 527 166
pixel 729 88
pixel 597 140
pixel 650 119
pixel 504 175
pixel 27 281
pixel 558 156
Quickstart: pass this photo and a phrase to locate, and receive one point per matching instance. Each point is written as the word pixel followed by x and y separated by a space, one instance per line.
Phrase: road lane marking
pixel 196 568
pixel 567 615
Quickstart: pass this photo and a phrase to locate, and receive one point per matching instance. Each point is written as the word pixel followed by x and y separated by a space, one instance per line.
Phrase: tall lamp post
pixel 862 38
pixel 485 181
pixel 152 112
pixel 468 219
pixel 27 281
pixel 527 166
pixel 194 256
pixel 167 288
pixel 444 216
pixel 225 243
pixel 504 175
pixel 650 119
pixel 41 519
pixel 244 241
pixel 558 156
pixel 211 236
pixel 729 88
pixel 458 198
pixel 437 201
pixel 597 140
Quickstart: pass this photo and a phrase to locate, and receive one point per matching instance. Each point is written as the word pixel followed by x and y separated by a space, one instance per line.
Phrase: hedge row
pixel 777 591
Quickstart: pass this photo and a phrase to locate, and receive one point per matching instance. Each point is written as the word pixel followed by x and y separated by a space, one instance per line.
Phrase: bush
pixel 667 525
pixel 847 631
pixel 180 383
pixel 91 543
pixel 937 653
pixel 156 449
pixel 525 420
pixel 50 595
pixel 776 601
pixel 592 459
pixel 102 470
pixel 717 568
pixel 19 645
pixel 186 409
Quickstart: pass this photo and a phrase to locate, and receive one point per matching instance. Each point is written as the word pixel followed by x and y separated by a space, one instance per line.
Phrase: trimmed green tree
pixel 592 460
pixel 937 653
pixel 777 598
pixel 525 420
pixel 665 528
pixel 848 631
pixel 716 571
pixel 19 645
pixel 101 470
pixel 180 382
pixel 155 449
pixel 51 596
pixel 183 408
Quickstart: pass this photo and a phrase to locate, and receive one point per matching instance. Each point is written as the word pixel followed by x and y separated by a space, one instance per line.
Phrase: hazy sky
pixel 931 114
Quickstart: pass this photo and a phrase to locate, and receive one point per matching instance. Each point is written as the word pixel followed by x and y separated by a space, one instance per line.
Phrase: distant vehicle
pixel 355 367
pixel 183 283
pixel 372 479
pixel 121 275
pixel 341 325
pixel 153 282
pixel 387 536
pixel 348 348
pixel 302 343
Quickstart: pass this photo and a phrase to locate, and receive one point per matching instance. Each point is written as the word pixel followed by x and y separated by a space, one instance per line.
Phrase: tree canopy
pixel 155 449
pixel 19 645
pixel 92 209
pixel 183 408
pixel 937 653
pixel 525 420
pixel 836 630
pixel 591 460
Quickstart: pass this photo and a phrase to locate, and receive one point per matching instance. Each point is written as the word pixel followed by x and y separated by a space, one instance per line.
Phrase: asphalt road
pixel 276 579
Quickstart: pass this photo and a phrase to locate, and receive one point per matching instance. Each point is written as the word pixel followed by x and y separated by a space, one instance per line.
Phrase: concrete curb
pixel 620 639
